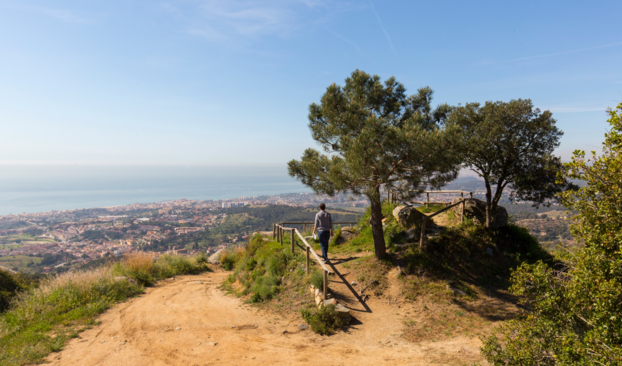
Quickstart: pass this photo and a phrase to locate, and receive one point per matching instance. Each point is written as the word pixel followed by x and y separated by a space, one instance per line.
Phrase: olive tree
pixel 376 136
pixel 510 145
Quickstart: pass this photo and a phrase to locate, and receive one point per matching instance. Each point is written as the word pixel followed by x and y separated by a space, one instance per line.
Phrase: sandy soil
pixel 190 321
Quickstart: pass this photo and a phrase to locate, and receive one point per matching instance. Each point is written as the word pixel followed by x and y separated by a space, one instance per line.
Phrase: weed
pixel 317 280
pixel 324 320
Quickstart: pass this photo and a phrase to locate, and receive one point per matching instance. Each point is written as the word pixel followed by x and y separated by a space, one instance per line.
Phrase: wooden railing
pixel 425 219
pixel 278 232
pixel 392 196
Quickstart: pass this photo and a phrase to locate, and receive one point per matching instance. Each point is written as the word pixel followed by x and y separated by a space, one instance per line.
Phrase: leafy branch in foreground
pixel 576 308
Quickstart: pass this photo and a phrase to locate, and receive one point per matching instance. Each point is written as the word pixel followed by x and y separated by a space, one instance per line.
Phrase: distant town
pixel 49 241
pixel 55 241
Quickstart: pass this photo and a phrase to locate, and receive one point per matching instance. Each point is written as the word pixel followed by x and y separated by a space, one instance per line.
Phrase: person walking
pixel 324 228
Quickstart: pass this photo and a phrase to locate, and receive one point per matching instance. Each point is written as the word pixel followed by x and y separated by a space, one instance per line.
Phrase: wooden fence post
pixel 462 215
pixel 293 242
pixel 471 193
pixel 273 231
pixel 423 225
pixel 308 260
pixel 281 235
pixel 325 289
pixel 427 202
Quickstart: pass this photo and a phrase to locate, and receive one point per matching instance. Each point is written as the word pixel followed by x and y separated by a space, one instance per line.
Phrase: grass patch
pixel 445 322
pixel 430 209
pixel 41 319
pixel 269 274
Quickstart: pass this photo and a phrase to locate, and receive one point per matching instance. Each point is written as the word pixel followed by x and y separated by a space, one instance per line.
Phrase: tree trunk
pixel 488 204
pixel 376 227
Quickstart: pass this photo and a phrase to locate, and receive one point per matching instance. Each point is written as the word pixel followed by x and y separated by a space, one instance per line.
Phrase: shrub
pixel 575 307
pixel 8 288
pixel 324 320
pixel 317 280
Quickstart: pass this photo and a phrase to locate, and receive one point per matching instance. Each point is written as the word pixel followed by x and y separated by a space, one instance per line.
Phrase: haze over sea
pixel 31 188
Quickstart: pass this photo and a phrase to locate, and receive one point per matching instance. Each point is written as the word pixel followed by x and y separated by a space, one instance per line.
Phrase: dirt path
pixel 189 321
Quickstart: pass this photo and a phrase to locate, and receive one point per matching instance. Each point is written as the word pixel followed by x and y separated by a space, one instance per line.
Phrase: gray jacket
pixel 323 221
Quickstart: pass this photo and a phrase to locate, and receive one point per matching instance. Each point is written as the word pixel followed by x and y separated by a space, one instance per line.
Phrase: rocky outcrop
pixel 476 209
pixel 346 234
pixel 215 258
pixel 407 216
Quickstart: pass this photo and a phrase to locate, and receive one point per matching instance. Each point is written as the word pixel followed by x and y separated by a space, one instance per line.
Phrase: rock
pixel 212 343
pixel 215 258
pixel 489 251
pixel 412 235
pixel 330 302
pixel 318 300
pixel 178 328
pixel 343 312
pixel 456 291
pixel 476 209
pixel 346 234
pixel 407 216
pixel 354 283
pixel 303 327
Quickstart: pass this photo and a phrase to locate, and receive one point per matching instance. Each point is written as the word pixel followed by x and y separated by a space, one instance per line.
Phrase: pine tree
pixel 377 136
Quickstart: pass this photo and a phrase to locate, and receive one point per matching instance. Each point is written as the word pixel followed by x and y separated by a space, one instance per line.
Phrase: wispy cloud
pixel 386 34
pixel 62 15
pixel 346 40
pixel 555 54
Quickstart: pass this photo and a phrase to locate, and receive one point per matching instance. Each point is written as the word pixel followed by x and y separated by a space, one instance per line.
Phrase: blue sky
pixel 229 82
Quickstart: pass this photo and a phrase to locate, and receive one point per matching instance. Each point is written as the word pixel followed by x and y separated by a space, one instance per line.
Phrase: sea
pixel 33 188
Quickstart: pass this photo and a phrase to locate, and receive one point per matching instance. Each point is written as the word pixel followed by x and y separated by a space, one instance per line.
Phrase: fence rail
pixel 392 196
pixel 278 232
pixel 425 219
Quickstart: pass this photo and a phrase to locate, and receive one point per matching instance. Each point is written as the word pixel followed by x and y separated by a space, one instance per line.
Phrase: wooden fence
pixel 278 232
pixel 425 219
pixel 392 197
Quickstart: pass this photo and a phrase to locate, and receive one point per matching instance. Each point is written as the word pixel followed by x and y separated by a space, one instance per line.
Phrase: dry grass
pixel 436 323
pixel 370 273
pixel 139 261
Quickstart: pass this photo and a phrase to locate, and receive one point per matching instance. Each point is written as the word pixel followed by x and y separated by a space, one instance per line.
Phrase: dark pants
pixel 324 237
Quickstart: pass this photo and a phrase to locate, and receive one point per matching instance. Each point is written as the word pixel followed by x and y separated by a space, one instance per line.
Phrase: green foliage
pixel 510 144
pixel 575 308
pixel 8 288
pixel 317 280
pixel 377 136
pixel 431 208
pixel 335 239
pixel 461 254
pixel 323 320
pixel 261 268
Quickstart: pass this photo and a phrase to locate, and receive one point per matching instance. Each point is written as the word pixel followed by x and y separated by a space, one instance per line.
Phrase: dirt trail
pixel 190 321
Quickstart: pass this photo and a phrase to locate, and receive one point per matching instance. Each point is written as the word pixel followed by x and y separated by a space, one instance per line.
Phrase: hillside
pixel 426 307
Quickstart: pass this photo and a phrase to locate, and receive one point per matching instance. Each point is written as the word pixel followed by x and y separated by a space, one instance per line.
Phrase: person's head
pixel 322 206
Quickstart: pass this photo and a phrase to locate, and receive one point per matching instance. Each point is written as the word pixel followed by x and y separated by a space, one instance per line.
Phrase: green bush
pixel 575 307
pixel 8 288
pixel 324 320
pixel 317 280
